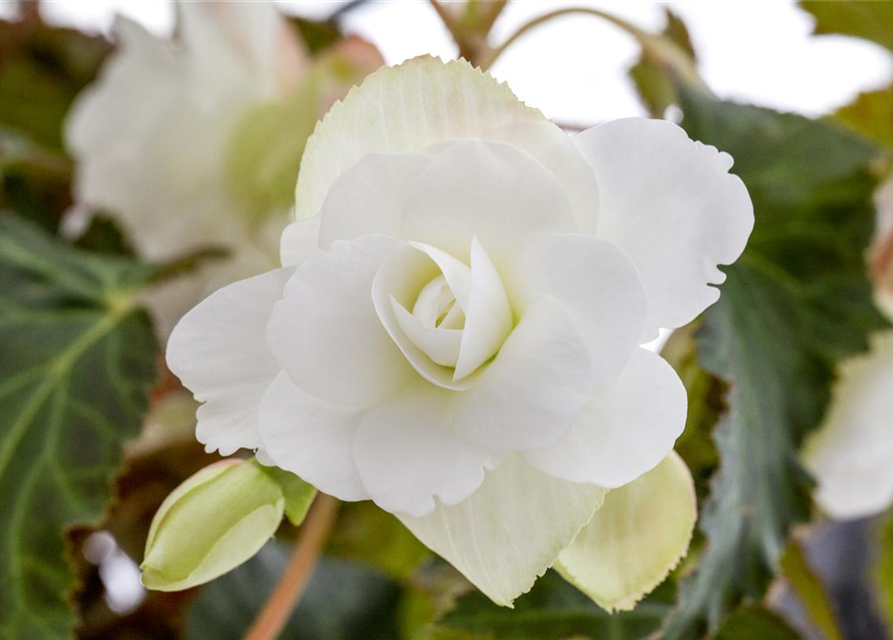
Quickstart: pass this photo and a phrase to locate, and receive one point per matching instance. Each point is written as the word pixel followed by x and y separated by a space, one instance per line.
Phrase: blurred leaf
pixel 555 610
pixel 317 34
pixel 368 533
pixel 810 590
pixel 343 601
pixel 754 622
pixel 654 87
pixel 793 305
pixel 871 114
pixel 868 20
pixel 77 360
pixel 883 568
pixel 42 69
pixel 103 235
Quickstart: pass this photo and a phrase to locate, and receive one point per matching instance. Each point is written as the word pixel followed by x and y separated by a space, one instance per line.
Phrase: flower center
pixel 460 317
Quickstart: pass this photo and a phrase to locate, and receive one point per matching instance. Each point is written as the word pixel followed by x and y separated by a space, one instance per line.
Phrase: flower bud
pixel 213 522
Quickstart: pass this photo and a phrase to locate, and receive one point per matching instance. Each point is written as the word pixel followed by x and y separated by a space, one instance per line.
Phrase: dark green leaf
pixel 793 305
pixel 868 20
pixel 344 600
pixel 42 69
pixel 555 610
pixel 654 87
pixel 317 35
pixel 755 623
pixel 77 360
pixel 103 235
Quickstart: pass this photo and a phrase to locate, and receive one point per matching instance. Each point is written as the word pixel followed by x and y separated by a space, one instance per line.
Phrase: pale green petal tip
pixel 216 520
pixel 640 535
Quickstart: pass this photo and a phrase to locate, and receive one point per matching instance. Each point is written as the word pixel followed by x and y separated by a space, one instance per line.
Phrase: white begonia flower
pixel 153 138
pixel 455 333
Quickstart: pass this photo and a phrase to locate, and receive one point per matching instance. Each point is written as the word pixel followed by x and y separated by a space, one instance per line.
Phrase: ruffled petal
pixel 407 453
pixel 370 197
pixel 219 352
pixel 491 190
pixel 673 208
pixel 850 456
pixel 311 438
pixel 409 107
pixel 325 332
pixel 638 536
pixel 528 395
pixel 622 431
pixel 510 530
pixel 594 281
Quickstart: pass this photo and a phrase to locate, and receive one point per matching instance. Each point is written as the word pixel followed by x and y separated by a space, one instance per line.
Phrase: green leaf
pixel 317 34
pixel 652 83
pixel 77 360
pixel 755 623
pixel 871 114
pixel 344 600
pixel 868 20
pixel 554 610
pixel 810 590
pixel 42 69
pixel 298 494
pixel 793 305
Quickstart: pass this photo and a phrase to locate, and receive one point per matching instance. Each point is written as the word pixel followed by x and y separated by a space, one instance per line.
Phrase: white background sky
pixel 574 68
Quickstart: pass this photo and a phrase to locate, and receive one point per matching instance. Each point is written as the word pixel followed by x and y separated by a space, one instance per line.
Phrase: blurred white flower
pixel 160 139
pixel 455 333
pixel 851 454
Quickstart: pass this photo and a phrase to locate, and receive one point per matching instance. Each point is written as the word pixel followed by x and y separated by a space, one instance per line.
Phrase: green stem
pixel 659 49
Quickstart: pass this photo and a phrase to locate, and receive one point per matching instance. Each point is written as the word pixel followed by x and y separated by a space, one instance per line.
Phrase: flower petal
pixel 219 352
pixel 638 536
pixel 692 215
pixel 311 438
pixel 557 152
pixel 622 431
pixel 406 453
pixel 299 240
pixel 488 316
pixel 594 281
pixel 850 455
pixel 325 332
pixel 409 107
pixel 510 530
pixel 491 190
pixel 370 197
pixel 528 396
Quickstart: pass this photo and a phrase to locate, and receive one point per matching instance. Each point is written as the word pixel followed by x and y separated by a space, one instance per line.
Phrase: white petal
pixel 406 453
pixel 399 281
pixel 488 316
pixel 556 150
pixel 370 196
pixel 510 530
pixel 219 352
pixel 491 190
pixel 638 536
pixel 594 281
pixel 527 397
pixel 673 208
pixel 325 332
pixel 405 108
pixel 622 431
pixel 441 345
pixel 299 240
pixel 311 438
pixel 850 456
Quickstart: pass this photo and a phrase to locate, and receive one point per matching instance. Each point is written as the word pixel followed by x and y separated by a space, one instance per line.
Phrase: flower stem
pixel 294 578
pixel 659 49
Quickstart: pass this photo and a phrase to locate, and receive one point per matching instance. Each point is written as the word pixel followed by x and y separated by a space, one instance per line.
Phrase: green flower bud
pixel 213 522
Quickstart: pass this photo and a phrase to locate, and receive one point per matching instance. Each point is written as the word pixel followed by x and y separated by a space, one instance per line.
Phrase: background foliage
pixel 79 370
